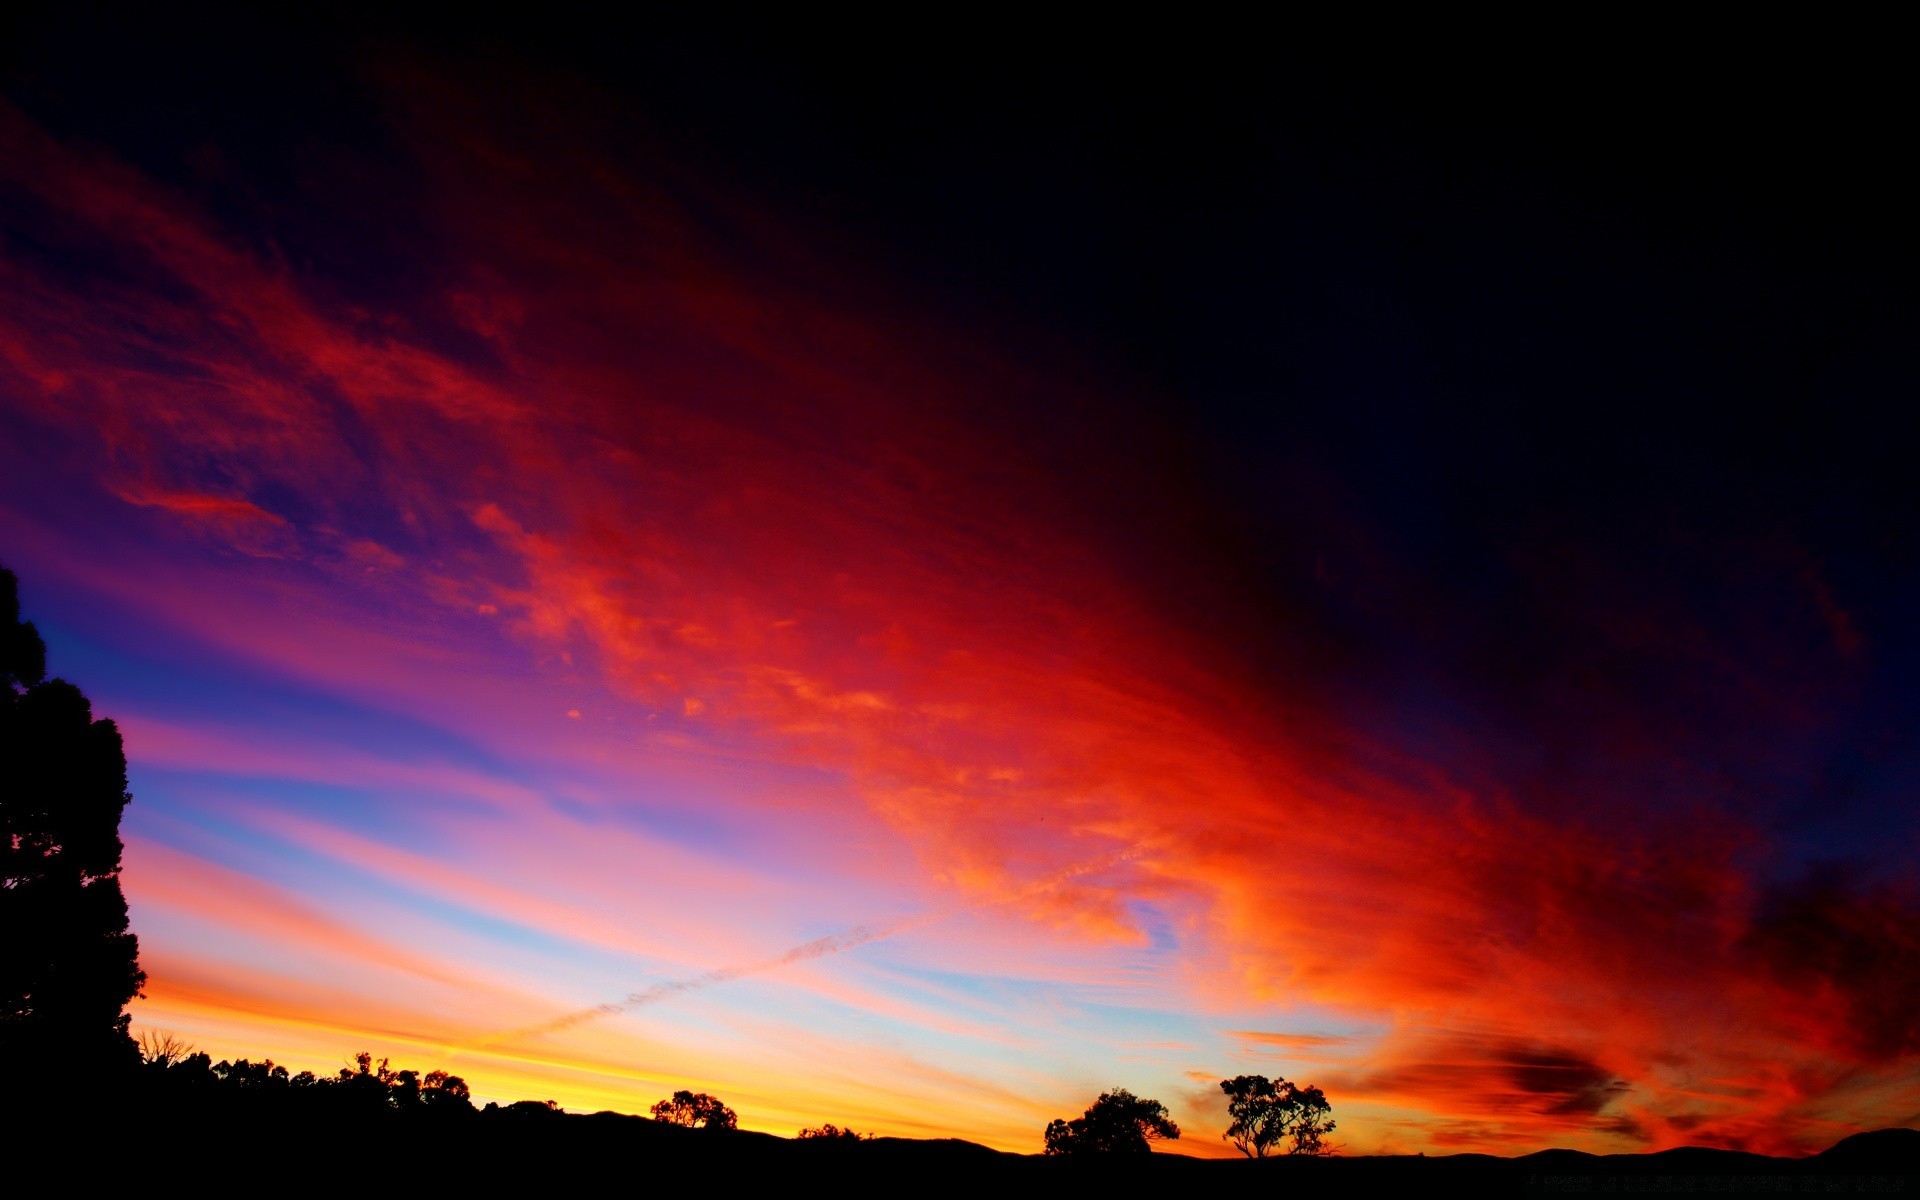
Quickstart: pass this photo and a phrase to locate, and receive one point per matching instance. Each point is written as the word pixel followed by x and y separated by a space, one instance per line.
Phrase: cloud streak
pixel 820 947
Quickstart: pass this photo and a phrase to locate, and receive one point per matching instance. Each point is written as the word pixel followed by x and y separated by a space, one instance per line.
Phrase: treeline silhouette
pixel 171 1071
pixel 368 1121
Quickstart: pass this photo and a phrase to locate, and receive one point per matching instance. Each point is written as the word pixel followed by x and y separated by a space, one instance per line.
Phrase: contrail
pixel 834 943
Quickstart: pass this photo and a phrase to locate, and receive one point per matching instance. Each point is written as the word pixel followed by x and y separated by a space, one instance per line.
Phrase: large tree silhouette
pixel 1119 1122
pixel 68 965
pixel 696 1110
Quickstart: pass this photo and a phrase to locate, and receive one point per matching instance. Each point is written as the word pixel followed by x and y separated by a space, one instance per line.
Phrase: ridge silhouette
pixel 379 1121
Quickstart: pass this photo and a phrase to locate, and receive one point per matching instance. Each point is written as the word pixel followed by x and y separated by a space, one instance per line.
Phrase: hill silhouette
pixel 1873 1151
pixel 259 1132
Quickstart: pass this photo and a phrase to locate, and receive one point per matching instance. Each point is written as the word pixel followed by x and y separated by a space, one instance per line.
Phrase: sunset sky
pixel 1011 567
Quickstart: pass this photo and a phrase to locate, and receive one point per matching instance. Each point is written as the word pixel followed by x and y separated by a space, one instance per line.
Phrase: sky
pixel 909 589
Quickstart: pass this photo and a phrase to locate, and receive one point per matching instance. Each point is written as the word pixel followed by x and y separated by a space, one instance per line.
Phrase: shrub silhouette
pixel 1267 1113
pixel 695 1110
pixel 830 1132
pixel 68 964
pixel 1119 1122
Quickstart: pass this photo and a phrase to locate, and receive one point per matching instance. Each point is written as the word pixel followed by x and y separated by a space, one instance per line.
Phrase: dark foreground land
pixel 265 1148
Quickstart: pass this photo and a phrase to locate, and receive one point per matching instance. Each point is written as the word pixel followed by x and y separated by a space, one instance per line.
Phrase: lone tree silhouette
pixel 68 965
pixel 1267 1113
pixel 695 1110
pixel 1119 1122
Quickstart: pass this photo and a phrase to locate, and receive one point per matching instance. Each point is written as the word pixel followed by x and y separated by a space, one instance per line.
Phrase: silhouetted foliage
pixel 378 1085
pixel 830 1132
pixel 245 1074
pixel 695 1110
pixel 1119 1122
pixel 159 1049
pixel 366 1087
pixel 528 1108
pixel 1268 1113
pixel 68 965
pixel 1314 1123
pixel 441 1092
pixel 366 1082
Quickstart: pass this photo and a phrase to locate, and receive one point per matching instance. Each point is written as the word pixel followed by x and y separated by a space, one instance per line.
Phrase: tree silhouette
pixel 374 1084
pixel 366 1083
pixel 1119 1122
pixel 695 1110
pixel 441 1092
pixel 68 965
pixel 252 1076
pixel 159 1049
pixel 1267 1113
